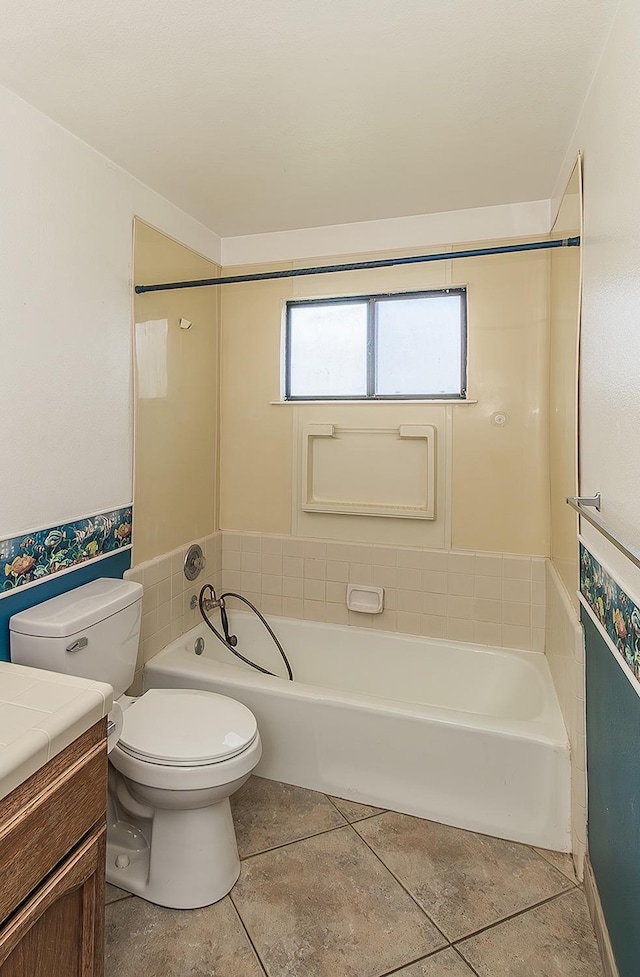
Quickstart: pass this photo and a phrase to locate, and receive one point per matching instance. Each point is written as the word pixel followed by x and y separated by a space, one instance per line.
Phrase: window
pixel 409 346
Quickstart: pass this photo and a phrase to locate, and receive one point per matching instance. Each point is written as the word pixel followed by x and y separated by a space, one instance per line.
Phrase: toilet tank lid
pixel 77 609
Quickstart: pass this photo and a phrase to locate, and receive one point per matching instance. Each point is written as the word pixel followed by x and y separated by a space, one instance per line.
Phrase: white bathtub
pixel 469 736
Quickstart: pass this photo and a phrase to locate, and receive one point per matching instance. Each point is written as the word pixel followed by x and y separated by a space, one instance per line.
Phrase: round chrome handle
pixel 194 562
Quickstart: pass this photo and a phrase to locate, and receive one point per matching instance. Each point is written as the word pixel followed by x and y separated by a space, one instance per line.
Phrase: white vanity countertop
pixel 41 713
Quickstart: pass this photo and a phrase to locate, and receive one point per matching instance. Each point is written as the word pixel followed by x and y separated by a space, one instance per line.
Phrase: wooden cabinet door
pixel 59 930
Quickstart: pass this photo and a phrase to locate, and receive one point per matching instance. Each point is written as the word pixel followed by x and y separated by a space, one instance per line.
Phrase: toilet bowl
pixel 176 756
pixel 180 756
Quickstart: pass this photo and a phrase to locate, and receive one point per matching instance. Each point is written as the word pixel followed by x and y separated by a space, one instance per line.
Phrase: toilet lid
pixel 183 728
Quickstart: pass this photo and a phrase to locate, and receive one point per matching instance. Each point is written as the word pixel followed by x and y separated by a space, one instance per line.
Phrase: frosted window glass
pixel 328 350
pixel 419 346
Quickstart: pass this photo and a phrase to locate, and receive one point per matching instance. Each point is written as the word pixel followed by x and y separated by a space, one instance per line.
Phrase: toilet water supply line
pixel 212 602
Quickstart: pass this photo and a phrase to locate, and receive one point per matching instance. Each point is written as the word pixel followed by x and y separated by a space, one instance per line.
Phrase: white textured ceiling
pixel 260 115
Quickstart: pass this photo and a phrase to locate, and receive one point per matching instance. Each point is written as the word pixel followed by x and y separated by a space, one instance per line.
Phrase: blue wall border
pixel 33 557
pixel 113 565
pixel 616 612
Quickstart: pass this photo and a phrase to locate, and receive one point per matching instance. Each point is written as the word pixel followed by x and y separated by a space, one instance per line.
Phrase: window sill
pixel 359 403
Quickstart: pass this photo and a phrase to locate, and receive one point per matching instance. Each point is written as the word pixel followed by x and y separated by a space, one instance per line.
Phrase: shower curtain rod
pixel 568 242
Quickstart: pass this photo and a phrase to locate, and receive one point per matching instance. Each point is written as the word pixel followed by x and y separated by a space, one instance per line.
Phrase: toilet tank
pixel 91 632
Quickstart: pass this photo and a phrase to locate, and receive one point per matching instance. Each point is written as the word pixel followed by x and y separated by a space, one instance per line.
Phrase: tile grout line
pixel 506 919
pixel 348 824
pixel 482 929
pixel 465 961
pixel 365 817
pixel 368 817
pixel 403 886
pixel 340 827
pixel 112 902
pixel 427 956
pixel 294 841
pixel 248 935
pixel 410 963
pixel 510 841
pixel 574 881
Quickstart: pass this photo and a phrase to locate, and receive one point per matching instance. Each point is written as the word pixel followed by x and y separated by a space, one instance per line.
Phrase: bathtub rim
pixel 549 729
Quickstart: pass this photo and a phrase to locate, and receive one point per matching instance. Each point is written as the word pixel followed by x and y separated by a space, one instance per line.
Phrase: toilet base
pixel 191 859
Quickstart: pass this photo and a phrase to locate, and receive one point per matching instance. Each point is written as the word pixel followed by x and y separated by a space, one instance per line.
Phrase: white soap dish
pixel 366 600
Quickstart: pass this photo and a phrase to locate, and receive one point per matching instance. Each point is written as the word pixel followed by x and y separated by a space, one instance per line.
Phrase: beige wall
pixel 495 480
pixel 500 474
pixel 255 438
pixel 176 436
pixel 564 305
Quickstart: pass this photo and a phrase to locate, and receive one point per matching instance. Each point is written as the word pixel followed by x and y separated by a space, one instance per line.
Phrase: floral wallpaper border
pixel 34 556
pixel 617 613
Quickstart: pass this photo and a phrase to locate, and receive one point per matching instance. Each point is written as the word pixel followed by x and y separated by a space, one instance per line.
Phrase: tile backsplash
pixel 487 598
pixel 166 611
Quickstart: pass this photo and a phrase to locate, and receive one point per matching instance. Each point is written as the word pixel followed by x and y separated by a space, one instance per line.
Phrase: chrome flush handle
pixel 77 645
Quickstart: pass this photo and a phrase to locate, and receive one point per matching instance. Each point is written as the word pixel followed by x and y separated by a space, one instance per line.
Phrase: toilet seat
pixel 163 776
pixel 186 728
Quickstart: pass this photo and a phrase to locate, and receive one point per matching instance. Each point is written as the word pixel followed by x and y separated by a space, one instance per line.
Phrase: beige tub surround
pixel 500 473
pixel 41 713
pixel 564 644
pixel 565 287
pixel 482 597
pixel 490 481
pixel 176 398
pixel 166 604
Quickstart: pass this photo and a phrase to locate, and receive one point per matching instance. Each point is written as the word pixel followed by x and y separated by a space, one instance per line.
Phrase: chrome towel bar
pixel 580 504
pixel 592 500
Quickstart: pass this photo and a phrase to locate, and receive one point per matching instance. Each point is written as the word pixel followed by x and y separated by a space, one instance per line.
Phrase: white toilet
pixel 176 755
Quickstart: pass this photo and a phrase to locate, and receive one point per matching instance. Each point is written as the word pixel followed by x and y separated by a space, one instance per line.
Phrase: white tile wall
pixel 166 613
pixel 565 654
pixel 490 598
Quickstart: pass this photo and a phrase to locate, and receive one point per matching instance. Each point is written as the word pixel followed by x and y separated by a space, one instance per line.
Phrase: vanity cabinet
pixel 52 865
